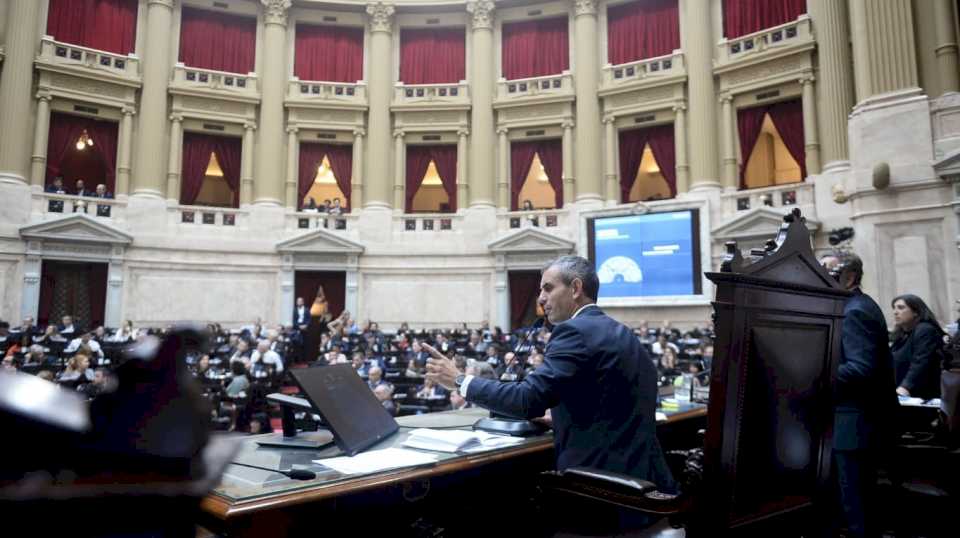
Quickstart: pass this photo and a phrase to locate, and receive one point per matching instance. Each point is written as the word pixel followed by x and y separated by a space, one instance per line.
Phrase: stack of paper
pixel 378 460
pixel 458 440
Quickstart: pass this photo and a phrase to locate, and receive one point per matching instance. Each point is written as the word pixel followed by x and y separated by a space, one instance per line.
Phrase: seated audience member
pixel 310 206
pixel 85 339
pixel 336 208
pixel 457 401
pixel 493 356
pixel 100 334
pixel 28 327
pixel 57 186
pixel 510 370
pixel 334 356
pixel 102 382
pixel 51 334
pixel 431 391
pixel 102 192
pixel 417 356
pixel 359 363
pixel 240 382
pixel 385 394
pixel 415 370
pixel 668 361
pixel 242 354
pixel 534 362
pixel 66 327
pixel 669 330
pixel 662 343
pixel 37 357
pixel 203 367
pixel 917 343
pixel 375 377
pixel 325 208
pixel 126 333
pixel 347 324
pixel 264 355
pixel 77 372
pixel 527 205
pixel 481 369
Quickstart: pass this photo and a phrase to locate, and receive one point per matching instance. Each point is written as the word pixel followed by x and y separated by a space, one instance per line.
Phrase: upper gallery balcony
pixel 78 60
pixel 546 88
pixel 640 73
pixel 216 84
pixel 766 44
pixel 350 95
pixel 432 96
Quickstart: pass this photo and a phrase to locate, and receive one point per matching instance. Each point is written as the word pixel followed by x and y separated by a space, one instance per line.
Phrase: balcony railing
pixel 539 218
pixel 640 70
pixel 431 94
pixel 58 53
pixel 785 35
pixel 336 92
pixel 428 222
pixel 561 84
pixel 306 220
pixel 791 194
pixel 220 81
pixel 67 204
pixel 201 216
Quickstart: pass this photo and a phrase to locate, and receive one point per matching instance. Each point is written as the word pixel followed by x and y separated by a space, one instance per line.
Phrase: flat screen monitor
pixel 347 405
pixel 650 255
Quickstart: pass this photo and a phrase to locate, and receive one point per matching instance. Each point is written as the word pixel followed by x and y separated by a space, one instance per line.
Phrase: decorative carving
pixel 358 133
pixel 381 17
pixel 482 13
pixel 399 133
pixel 94 88
pixel 44 95
pixel 584 7
pixel 767 70
pixel 176 118
pixel 725 98
pixel 807 78
pixel 567 124
pixel 293 129
pixel 128 110
pixel 609 118
pixel 679 106
pixel 250 125
pixel 503 131
pixel 463 132
pixel 275 11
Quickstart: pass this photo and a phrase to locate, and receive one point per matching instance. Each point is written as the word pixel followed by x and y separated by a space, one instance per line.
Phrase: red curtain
pixel 341 163
pixel 64 159
pixel 109 25
pixel 787 117
pixel 535 48
pixel 218 41
pixel 418 160
pixel 432 55
pixel 664 151
pixel 521 158
pixel 642 29
pixel 334 284
pixel 97 289
pixel 661 141
pixel 524 288
pixel 632 143
pixel 196 157
pixel 329 53
pixel 742 17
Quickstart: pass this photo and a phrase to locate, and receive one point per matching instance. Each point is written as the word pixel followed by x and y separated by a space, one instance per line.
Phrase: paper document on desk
pixel 458 440
pixel 661 417
pixel 378 460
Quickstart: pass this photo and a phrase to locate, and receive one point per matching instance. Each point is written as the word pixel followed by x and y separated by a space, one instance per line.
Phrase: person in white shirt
pixel 126 333
pixel 264 355
pixel 66 326
pixel 84 340
pixel 661 343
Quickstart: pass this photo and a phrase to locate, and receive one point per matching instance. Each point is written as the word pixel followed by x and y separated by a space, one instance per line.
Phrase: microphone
pixel 520 363
pixel 296 474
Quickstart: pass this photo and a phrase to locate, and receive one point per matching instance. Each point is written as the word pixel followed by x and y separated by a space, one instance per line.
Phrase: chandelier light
pixel 84 141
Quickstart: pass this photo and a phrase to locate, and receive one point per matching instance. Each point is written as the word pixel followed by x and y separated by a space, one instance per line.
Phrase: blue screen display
pixel 645 255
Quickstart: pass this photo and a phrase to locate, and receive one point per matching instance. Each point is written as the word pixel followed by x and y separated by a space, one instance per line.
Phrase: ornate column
pixel 463 189
pixel 246 164
pixel 586 82
pixel 174 160
pixel 356 175
pixel 122 188
pixel 610 164
pixel 503 184
pixel 730 168
pixel 481 96
pixel 380 92
pixel 30 293
pixel 149 174
pixel 834 89
pixel 811 143
pixel 16 88
pixel 268 186
pixel 399 171
pixel 567 146
pixel 946 46
pixel 884 50
pixel 293 151
pixel 698 43
pixel 113 307
pixel 41 132
pixel 680 146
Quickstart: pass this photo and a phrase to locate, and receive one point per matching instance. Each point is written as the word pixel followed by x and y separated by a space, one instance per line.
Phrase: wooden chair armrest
pixel 614 488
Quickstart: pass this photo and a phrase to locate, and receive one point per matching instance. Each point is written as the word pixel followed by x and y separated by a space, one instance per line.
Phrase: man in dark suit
pixel 301 315
pixel 596 379
pixel 866 401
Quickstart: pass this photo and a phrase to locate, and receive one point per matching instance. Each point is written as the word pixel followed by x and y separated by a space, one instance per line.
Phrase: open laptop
pixel 347 405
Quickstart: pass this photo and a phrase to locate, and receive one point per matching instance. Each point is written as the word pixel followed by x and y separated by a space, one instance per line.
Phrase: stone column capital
pixel 463 132
pixel 481 12
pixel 567 124
pixel 680 106
pixel 609 118
pixel 275 11
pixel 44 95
pixel 293 129
pixel 176 118
pixel 359 133
pixel 250 125
pixel 806 78
pixel 585 7
pixel 128 110
pixel 164 3
pixel 381 17
pixel 725 98
pixel 502 131
pixel 399 133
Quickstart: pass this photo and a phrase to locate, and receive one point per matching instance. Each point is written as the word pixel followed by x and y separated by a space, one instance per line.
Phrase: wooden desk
pixel 456 486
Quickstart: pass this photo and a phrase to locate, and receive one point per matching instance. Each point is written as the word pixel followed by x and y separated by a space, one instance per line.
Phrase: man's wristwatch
pixel 459 380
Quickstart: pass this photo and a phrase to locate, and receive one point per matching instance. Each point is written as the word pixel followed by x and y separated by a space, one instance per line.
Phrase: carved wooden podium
pixel 766 460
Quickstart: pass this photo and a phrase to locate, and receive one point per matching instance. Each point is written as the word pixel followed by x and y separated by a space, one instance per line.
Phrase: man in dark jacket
pixel 866 400
pixel 596 379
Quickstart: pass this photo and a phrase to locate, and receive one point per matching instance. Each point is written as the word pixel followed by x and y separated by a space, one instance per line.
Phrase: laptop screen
pixel 347 405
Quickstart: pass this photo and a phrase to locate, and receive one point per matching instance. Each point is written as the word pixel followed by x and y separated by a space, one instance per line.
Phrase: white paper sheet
pixel 378 460
pixel 458 440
